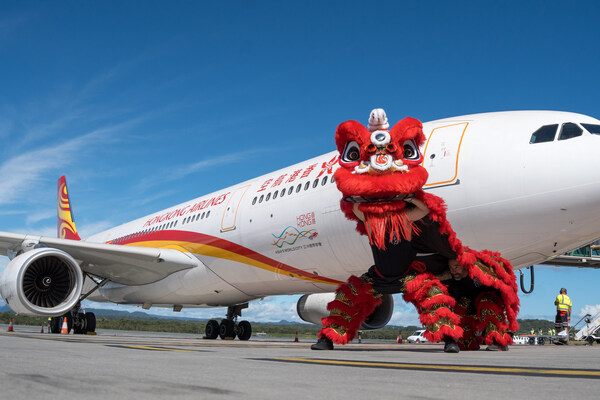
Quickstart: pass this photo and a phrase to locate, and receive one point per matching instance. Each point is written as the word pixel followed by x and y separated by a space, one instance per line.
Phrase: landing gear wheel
pixel 90 322
pixel 212 329
pixel 590 340
pixel 79 324
pixel 227 329
pixel 55 324
pixel 244 330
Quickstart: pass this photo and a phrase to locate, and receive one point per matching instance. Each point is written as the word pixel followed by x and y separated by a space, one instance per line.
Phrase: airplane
pixel 524 183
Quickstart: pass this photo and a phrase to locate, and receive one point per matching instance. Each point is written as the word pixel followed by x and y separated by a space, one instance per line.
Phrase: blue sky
pixel 145 104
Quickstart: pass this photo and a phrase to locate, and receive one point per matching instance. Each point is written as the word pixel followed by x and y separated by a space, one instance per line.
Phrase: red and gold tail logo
pixel 66 225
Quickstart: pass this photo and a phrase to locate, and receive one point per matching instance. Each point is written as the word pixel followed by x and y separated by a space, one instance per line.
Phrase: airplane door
pixel 228 222
pixel 442 150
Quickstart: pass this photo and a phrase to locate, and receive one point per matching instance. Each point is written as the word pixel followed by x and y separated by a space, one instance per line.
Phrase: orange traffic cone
pixel 296 339
pixel 65 328
pixel 10 326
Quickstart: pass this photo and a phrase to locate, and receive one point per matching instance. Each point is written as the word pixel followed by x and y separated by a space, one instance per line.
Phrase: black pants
pixel 391 264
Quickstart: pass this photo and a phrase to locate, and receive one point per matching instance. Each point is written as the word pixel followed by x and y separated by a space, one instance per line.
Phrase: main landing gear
pixel 81 323
pixel 229 328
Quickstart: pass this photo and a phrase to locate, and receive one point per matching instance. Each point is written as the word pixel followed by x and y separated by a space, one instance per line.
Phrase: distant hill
pixel 101 312
pixel 137 320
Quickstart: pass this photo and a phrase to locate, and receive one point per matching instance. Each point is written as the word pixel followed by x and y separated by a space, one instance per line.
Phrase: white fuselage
pixel 530 201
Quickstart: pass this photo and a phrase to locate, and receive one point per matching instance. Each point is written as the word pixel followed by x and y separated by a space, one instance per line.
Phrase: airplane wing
pixel 574 261
pixel 128 265
pixel 584 257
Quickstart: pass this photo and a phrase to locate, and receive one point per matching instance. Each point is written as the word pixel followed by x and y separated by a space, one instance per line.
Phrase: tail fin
pixel 66 224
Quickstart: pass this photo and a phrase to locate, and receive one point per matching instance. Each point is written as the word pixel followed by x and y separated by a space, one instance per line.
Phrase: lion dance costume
pixel 380 176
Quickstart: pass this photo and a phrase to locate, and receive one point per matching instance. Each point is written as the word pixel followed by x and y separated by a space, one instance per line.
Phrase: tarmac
pixel 133 365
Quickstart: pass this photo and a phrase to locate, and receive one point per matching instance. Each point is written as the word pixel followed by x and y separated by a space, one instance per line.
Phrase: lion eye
pixel 411 152
pixel 351 152
pixel 370 148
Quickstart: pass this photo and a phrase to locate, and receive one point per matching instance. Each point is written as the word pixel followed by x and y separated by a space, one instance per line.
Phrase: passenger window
pixel 283 193
pixel 202 217
pixel 545 134
pixel 316 183
pixel 324 181
pixel 298 187
pixel 332 180
pixel 592 128
pixel 254 201
pixel 275 194
pixel 306 185
pixel 207 214
pixel 570 131
pixel 262 196
pixel 268 196
pixel 290 190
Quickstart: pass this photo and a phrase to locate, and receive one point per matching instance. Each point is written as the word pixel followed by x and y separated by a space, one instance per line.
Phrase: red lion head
pixel 379 167
pixel 380 164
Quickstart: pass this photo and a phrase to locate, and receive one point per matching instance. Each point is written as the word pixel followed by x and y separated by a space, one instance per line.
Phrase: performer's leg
pixel 492 321
pixel 435 308
pixel 354 301
pixel 468 322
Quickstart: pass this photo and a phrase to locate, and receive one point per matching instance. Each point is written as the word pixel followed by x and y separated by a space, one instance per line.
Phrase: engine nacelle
pixel 42 282
pixel 312 307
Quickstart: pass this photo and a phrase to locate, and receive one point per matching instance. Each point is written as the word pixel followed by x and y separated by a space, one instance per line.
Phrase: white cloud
pixel 86 230
pixel 22 173
pixel 404 313
pixel 181 172
pixel 33 218
pixel 271 310
pixel 589 309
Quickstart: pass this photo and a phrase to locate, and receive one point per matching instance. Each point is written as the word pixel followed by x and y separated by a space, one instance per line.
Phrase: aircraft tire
pixel 212 329
pixel 79 324
pixel 90 322
pixel 227 329
pixel 244 330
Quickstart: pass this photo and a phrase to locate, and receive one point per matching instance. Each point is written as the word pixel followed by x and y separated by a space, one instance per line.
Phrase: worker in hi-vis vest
pixel 563 311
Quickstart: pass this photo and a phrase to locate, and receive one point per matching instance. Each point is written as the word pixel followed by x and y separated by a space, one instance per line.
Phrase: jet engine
pixel 312 307
pixel 42 282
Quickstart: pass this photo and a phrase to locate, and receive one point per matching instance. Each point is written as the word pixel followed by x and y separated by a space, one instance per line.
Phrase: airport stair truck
pixel 591 331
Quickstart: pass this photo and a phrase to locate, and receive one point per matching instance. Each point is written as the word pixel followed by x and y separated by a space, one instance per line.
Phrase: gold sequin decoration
pixel 486 270
pixel 433 328
pixel 486 312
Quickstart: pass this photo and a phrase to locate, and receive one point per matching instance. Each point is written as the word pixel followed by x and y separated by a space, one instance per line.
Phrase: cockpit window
pixel 569 131
pixel 592 128
pixel 545 134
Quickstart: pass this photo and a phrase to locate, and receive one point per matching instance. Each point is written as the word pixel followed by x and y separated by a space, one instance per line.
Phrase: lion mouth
pixel 381 164
pixel 367 199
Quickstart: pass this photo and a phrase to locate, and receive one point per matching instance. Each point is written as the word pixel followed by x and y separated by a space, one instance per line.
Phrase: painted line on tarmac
pixel 153 348
pixel 476 369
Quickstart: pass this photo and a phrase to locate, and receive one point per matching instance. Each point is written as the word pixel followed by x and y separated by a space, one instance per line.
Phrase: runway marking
pixel 547 372
pixel 152 348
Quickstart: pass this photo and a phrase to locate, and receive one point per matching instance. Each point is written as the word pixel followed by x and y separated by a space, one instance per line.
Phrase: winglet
pixel 66 224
